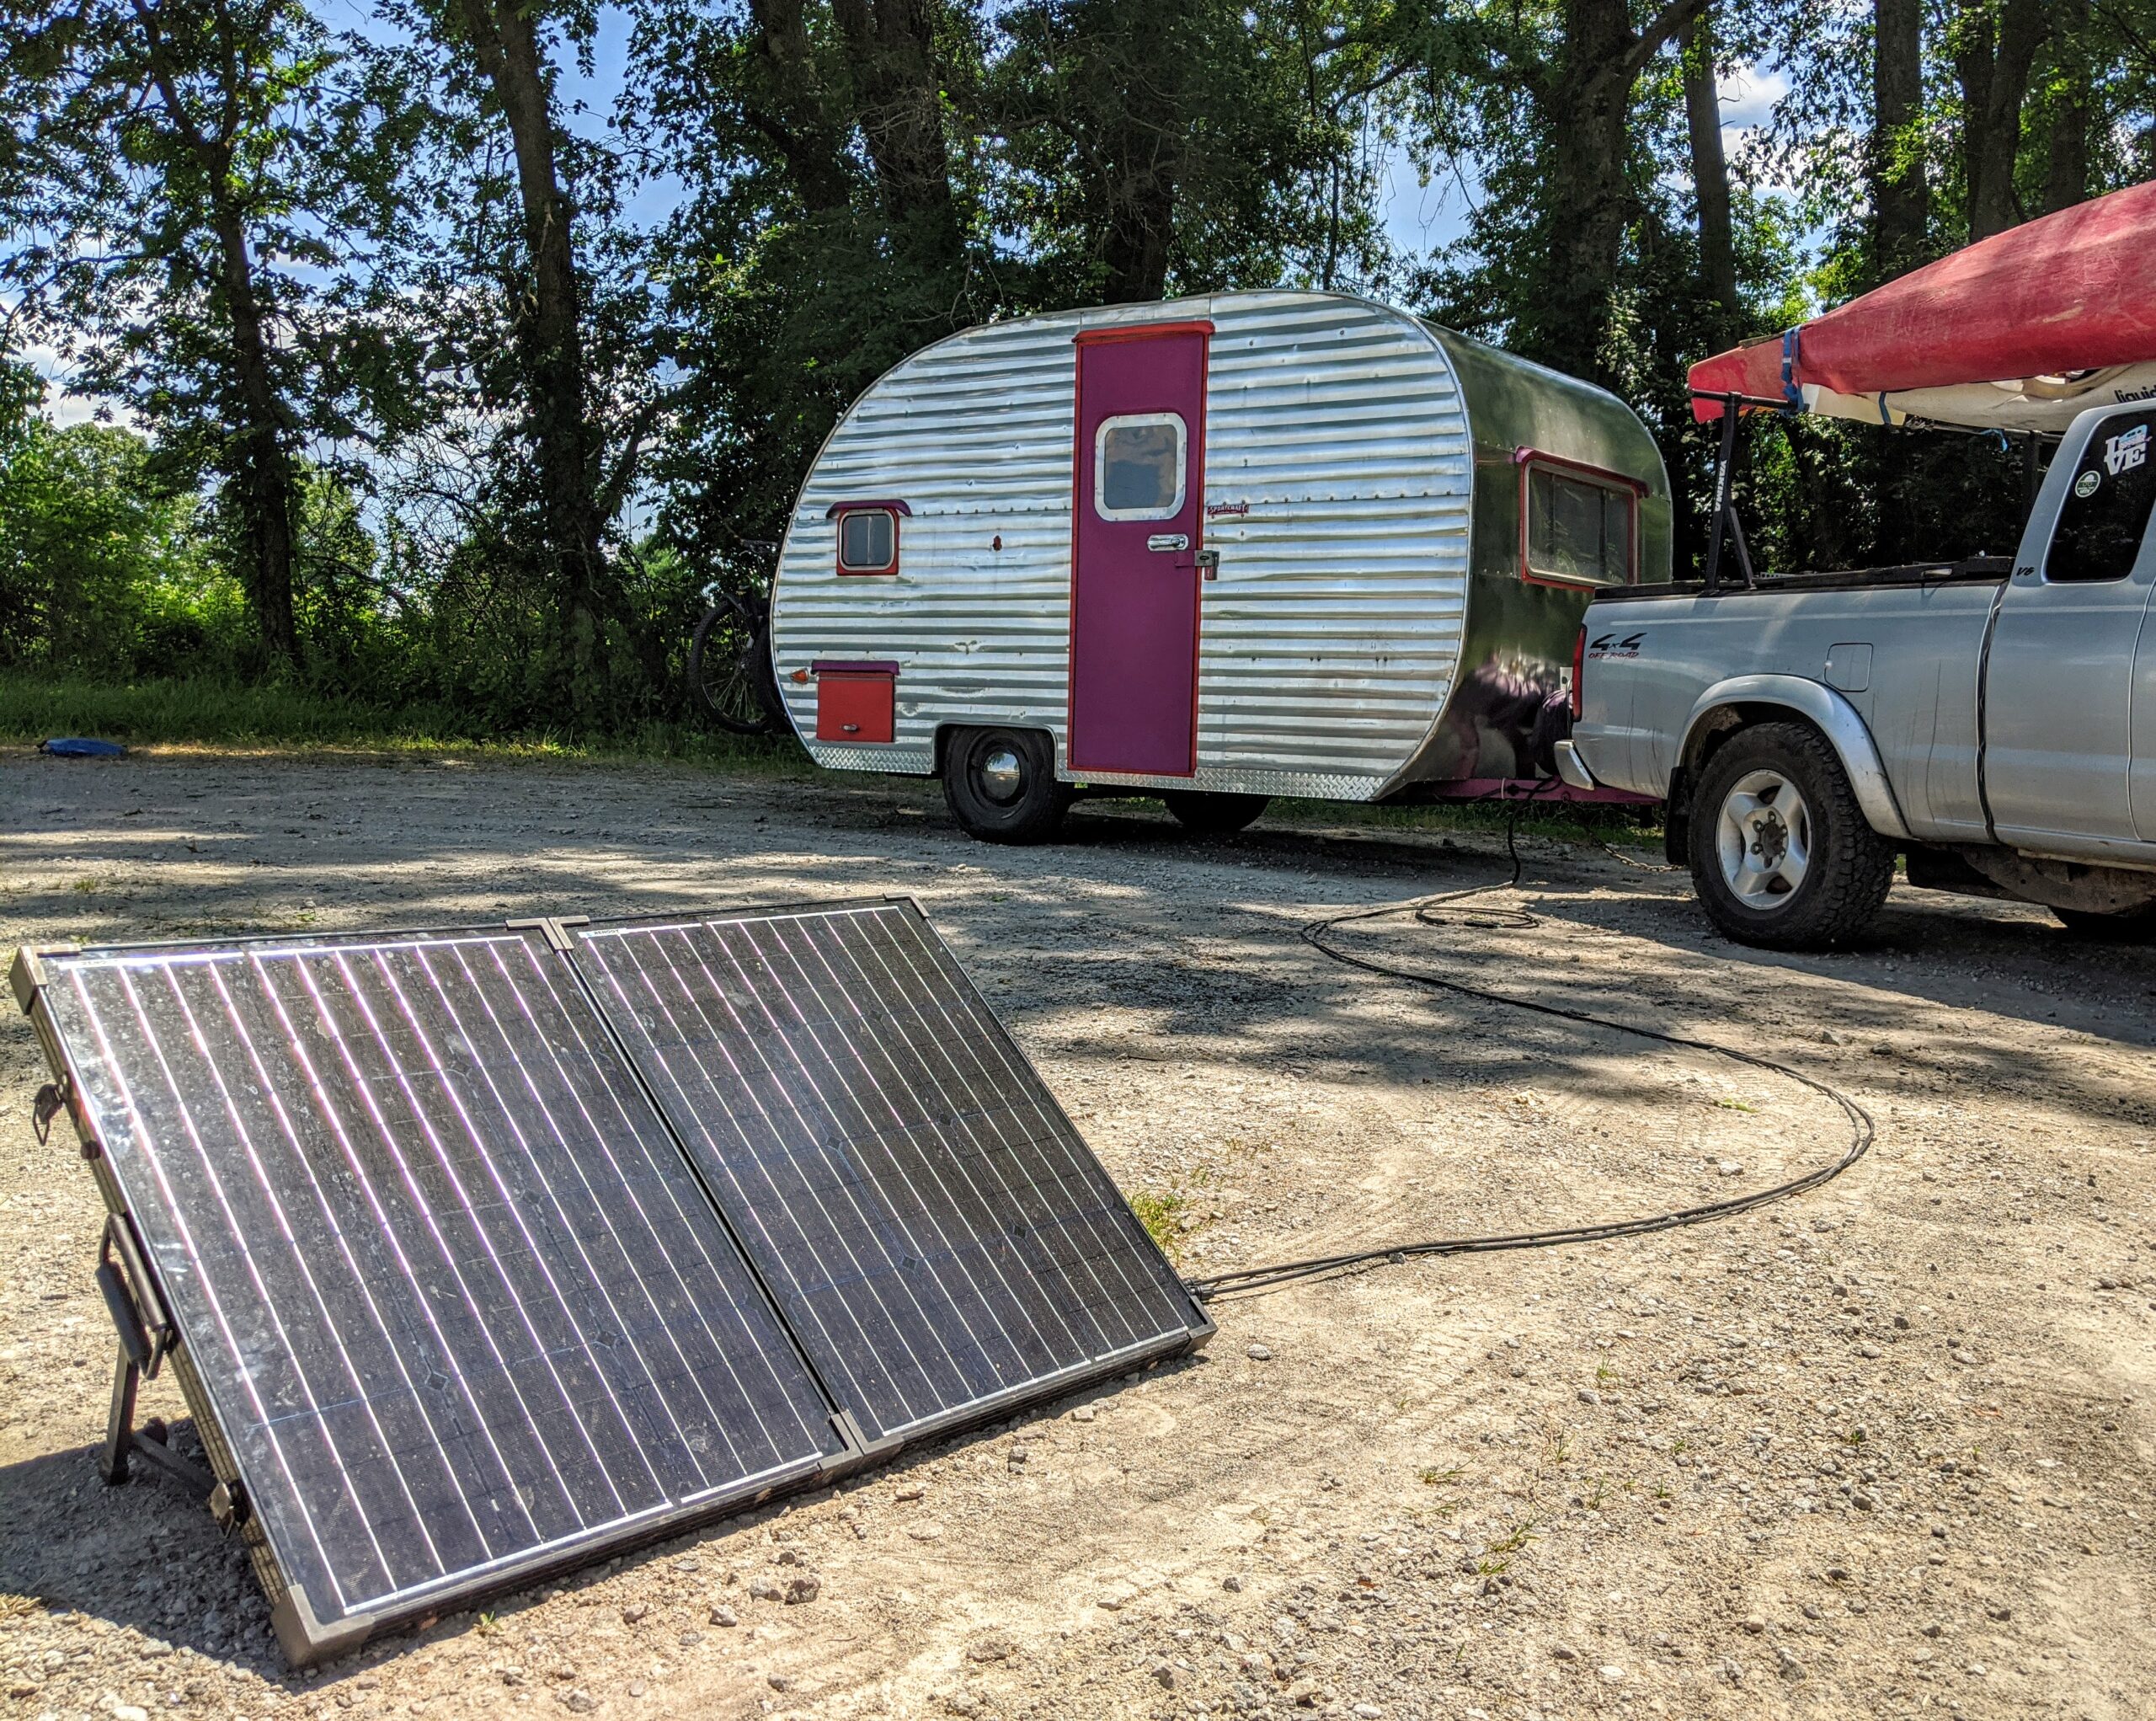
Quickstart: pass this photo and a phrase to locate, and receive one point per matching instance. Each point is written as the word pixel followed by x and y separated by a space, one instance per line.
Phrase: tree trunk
pixel 898 99
pixel 1710 169
pixel 1901 197
pixel 2066 165
pixel 262 473
pixel 1586 105
pixel 1144 48
pixel 259 466
pixel 507 45
pixel 791 109
pixel 1992 63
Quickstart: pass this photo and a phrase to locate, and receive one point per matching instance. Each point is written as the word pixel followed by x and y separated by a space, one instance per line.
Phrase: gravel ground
pixel 1882 1448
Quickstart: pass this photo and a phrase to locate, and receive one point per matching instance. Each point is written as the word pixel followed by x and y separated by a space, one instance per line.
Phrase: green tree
pixel 104 569
pixel 188 191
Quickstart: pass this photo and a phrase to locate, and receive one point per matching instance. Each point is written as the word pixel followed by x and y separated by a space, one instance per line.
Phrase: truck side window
pixel 1579 531
pixel 2106 512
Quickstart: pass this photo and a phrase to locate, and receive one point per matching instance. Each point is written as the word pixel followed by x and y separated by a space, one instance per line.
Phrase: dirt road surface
pixel 1882 1450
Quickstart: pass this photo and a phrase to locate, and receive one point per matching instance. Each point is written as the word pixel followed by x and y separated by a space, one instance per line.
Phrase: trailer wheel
pixel 1000 784
pixel 1214 814
pixel 2131 926
pixel 1780 852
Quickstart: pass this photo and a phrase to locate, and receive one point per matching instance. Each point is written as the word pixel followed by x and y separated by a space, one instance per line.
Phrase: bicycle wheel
pixel 730 668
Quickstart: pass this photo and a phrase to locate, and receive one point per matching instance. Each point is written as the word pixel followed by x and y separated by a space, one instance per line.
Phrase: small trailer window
pixel 1140 460
pixel 1577 528
pixel 2106 512
pixel 868 541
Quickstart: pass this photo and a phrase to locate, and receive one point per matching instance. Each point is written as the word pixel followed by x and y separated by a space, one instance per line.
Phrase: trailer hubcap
pixel 1002 775
pixel 1764 838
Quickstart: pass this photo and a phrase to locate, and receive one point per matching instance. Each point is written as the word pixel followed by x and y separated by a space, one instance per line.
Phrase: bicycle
pixel 730 674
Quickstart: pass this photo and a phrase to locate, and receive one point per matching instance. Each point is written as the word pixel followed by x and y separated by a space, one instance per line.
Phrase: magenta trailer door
pixel 1140 495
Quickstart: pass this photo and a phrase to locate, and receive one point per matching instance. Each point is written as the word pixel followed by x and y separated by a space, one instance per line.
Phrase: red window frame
pixel 837 512
pixel 1527 459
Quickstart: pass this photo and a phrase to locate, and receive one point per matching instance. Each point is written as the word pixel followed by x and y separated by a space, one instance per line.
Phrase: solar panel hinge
pixel 229 1506
pixel 553 929
pixel 860 1450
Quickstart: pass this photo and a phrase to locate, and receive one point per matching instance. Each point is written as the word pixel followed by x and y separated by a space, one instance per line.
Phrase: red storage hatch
pixel 857 702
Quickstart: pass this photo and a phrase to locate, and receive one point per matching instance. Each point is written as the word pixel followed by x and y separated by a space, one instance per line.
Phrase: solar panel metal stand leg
pixel 138 1357
pixel 481 1253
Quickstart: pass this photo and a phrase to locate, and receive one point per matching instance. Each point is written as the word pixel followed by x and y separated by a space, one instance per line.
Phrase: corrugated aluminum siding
pixel 1327 647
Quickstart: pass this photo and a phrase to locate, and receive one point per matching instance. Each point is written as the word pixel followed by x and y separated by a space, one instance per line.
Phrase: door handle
pixel 1165 541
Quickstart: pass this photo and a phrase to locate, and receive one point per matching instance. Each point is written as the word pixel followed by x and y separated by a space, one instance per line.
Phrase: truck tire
pixel 1780 854
pixel 1000 784
pixel 1214 814
pixel 2131 926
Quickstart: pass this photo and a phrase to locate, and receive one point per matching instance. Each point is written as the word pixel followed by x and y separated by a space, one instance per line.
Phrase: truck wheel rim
pixel 1002 775
pixel 1764 840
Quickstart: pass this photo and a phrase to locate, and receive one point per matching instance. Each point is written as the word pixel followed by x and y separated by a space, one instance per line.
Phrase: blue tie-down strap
pixel 1790 393
pixel 81 747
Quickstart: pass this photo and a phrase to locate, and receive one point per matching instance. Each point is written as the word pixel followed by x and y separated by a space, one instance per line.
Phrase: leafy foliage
pixel 421 383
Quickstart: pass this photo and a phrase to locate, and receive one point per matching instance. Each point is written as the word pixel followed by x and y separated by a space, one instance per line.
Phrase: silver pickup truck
pixel 1993 722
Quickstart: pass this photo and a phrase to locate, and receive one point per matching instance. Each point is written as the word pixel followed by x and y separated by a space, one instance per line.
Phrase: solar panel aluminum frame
pixel 150 1338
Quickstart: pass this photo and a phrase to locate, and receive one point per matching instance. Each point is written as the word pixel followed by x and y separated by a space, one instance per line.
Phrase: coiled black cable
pixel 1431 911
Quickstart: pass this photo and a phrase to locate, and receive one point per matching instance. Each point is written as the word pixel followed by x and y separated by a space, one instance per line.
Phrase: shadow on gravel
pixel 145 1556
pixel 1216 958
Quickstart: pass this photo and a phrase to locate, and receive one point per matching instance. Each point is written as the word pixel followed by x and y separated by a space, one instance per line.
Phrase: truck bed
pixel 1902 646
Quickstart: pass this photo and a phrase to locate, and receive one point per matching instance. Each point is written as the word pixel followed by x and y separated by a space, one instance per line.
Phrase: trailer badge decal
pixel 1223 511
pixel 1609 645
pixel 2088 484
pixel 2126 449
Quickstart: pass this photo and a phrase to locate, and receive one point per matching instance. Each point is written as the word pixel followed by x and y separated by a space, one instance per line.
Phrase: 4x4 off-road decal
pixel 1609 645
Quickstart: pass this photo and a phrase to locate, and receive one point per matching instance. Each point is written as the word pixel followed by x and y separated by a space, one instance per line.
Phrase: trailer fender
pixel 1829 711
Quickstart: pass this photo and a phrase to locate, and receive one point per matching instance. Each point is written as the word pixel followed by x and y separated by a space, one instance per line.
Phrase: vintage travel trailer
pixel 1218 549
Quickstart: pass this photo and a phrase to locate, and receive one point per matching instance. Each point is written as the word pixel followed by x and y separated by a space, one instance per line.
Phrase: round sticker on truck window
pixel 2086 485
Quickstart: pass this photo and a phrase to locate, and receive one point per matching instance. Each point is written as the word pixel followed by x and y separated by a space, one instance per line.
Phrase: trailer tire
pixel 1000 784
pixel 2131 926
pixel 1214 814
pixel 1781 854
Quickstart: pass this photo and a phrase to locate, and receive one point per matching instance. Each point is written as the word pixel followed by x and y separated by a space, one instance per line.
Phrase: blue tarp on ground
pixel 80 747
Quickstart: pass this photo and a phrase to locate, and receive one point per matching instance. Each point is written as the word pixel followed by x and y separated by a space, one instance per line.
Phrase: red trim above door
pixel 1140 331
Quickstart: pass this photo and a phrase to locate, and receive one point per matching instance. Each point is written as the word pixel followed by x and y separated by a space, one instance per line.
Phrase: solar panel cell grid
pixel 458 1302
pixel 926 1215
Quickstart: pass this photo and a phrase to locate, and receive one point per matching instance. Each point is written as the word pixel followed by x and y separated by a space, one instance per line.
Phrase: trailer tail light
pixel 1579 663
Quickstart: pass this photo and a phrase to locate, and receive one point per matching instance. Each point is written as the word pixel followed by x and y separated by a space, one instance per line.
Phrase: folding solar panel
pixel 939 1236
pixel 479 1252
pixel 447 1290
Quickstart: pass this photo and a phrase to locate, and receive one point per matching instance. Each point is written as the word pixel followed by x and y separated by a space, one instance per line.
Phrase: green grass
pixel 1161 1216
pixel 188 712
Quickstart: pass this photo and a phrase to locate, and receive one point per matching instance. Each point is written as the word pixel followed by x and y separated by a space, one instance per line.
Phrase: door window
pixel 2106 512
pixel 1140 463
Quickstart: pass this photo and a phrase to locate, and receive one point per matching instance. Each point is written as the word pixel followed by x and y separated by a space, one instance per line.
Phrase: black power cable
pixel 1431 911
